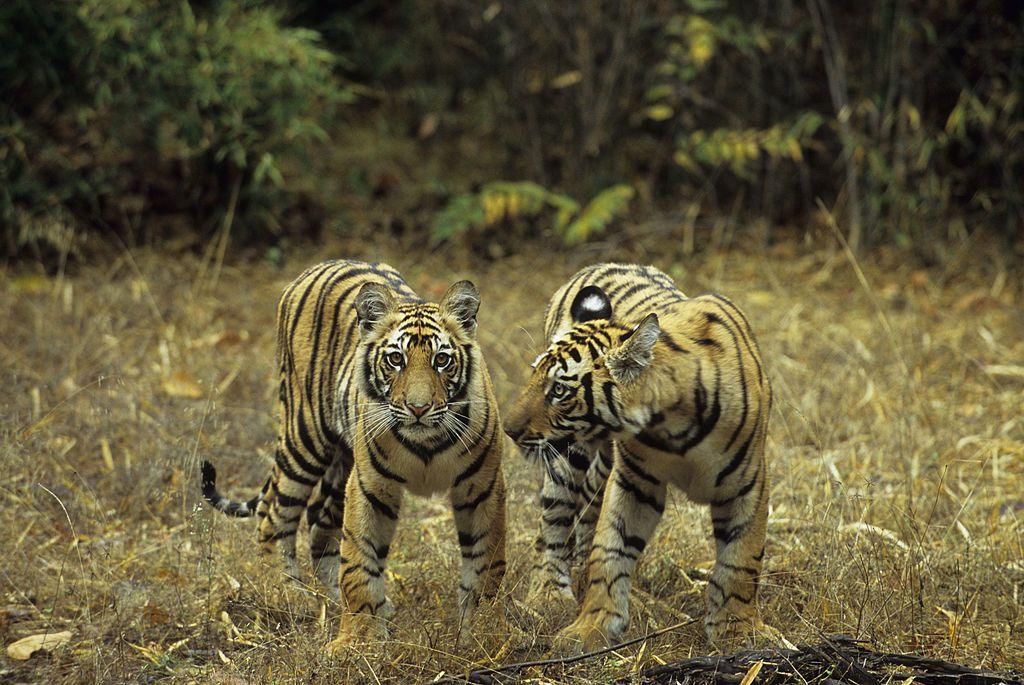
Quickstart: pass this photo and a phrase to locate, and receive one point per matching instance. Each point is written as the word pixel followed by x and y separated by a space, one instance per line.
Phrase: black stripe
pixel 636 468
pixel 292 451
pixel 739 569
pixel 742 491
pixel 477 463
pixel 639 495
pixel 284 500
pixel 734 463
pixel 376 503
pixel 296 314
pixel 670 342
pixel 467 539
pixel 551 502
pixel 706 423
pixel 750 343
pixel 312 448
pixel 579 459
pixel 379 467
pixel 479 499
pixel 290 473
pixel 634 541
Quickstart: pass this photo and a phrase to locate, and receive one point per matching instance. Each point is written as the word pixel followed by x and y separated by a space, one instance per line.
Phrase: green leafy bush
pixel 132 109
pixel 151 115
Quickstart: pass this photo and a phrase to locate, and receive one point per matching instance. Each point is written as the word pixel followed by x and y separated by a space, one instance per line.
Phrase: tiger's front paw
pixel 590 631
pixel 488 619
pixel 550 599
pixel 355 631
pixel 729 631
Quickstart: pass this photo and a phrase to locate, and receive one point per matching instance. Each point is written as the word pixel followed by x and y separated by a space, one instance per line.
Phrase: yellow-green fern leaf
pixel 599 213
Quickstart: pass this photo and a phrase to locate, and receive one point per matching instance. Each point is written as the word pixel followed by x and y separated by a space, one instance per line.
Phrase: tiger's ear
pixel 461 302
pixel 373 303
pixel 590 303
pixel 627 361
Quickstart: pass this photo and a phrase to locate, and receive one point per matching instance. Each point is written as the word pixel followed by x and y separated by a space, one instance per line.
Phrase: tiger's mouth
pixel 430 421
pixel 536 447
pixel 538 440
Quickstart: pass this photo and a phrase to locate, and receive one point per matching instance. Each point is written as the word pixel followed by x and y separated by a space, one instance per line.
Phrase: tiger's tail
pixel 243 509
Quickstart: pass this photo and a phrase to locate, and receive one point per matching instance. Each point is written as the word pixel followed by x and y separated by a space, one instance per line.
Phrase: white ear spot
pixel 589 304
pixel 592 303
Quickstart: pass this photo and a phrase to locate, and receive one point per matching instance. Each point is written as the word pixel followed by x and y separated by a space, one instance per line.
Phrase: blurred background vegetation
pixel 140 121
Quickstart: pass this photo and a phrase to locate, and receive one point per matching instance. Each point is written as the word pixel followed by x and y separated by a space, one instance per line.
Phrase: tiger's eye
pixel 395 359
pixel 559 390
pixel 442 360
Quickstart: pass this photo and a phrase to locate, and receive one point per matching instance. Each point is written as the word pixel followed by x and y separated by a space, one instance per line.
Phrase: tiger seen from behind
pixel 380 392
pixel 639 388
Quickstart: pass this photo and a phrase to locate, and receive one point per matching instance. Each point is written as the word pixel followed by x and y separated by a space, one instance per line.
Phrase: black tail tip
pixel 209 474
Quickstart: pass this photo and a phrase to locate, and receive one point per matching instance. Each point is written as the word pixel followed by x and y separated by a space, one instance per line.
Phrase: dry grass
pixel 897 450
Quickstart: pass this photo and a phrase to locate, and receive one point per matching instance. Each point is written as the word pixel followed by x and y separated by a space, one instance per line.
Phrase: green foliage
pixel 692 42
pixel 734 99
pixel 152 115
pixel 606 206
pixel 129 108
pixel 498 203
pixel 739 148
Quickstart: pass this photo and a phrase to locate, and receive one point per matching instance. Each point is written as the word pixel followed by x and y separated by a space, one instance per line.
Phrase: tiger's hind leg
pixel 739 523
pixel 551 580
pixel 324 518
pixel 299 469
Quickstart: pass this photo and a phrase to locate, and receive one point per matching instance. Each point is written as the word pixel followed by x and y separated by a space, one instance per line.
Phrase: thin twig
pixel 863 280
pixel 565 660
pixel 229 218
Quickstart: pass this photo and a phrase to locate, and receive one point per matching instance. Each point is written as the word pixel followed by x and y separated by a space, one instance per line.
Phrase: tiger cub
pixel 380 392
pixel 674 388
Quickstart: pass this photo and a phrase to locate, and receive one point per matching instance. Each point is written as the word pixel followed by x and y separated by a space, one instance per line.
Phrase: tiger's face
pixel 576 391
pixel 416 358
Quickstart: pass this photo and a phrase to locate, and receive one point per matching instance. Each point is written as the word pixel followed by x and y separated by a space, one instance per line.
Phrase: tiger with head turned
pixel 668 389
pixel 380 392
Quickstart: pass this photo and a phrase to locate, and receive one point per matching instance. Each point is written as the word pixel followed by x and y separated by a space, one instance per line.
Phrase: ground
pixel 896 451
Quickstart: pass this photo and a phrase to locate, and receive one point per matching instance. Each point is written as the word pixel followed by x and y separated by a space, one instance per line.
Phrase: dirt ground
pixel 896 448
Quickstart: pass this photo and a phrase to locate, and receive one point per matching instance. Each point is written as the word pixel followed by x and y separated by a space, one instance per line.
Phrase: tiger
pixel 379 392
pixel 641 387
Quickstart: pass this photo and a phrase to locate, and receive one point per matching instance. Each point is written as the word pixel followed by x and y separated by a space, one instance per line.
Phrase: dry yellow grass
pixel 897 453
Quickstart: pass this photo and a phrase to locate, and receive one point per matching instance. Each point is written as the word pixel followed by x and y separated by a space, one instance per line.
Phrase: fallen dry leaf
pixel 752 672
pixel 1004 370
pixel 27 646
pixel 221 340
pixel 155 615
pixel 229 339
pixel 181 384
pixel 971 300
pixel 108 456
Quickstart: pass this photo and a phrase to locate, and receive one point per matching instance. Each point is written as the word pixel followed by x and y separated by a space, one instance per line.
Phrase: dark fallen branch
pixel 835 660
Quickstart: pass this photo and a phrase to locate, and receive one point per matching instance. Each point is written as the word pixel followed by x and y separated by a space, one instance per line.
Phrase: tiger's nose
pixel 418 410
